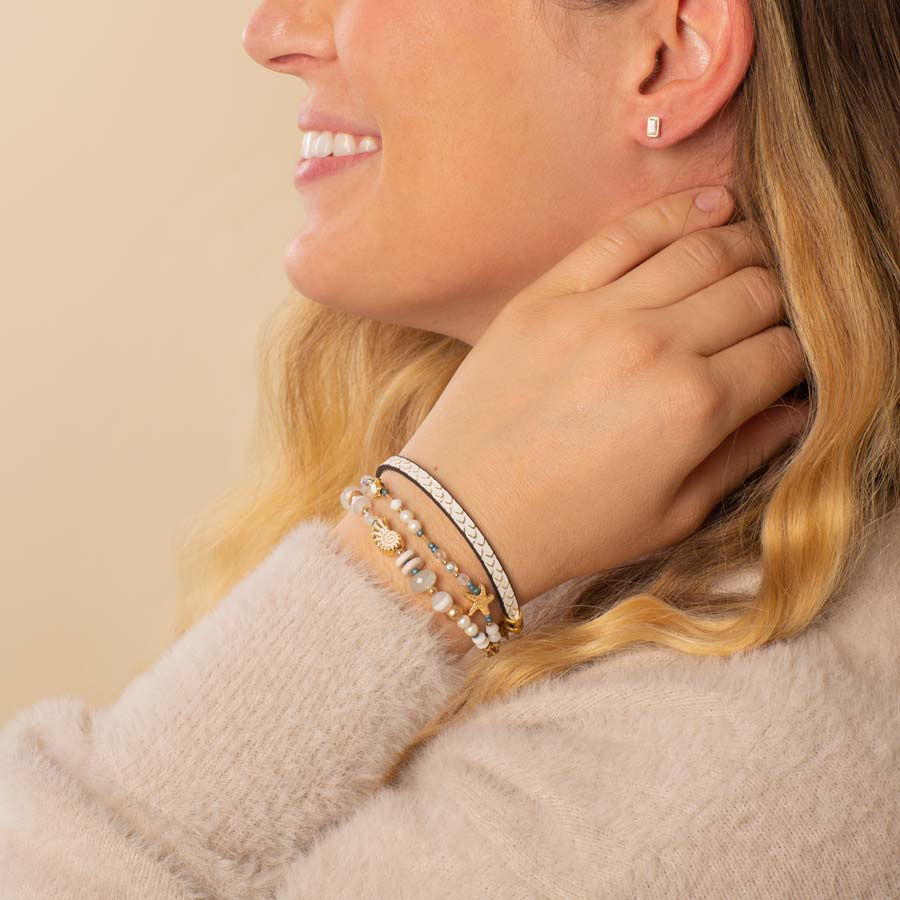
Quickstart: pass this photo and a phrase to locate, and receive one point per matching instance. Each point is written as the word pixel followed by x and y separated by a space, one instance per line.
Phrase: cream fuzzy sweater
pixel 239 764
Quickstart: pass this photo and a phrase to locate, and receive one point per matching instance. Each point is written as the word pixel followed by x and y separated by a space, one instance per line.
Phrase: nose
pixel 291 36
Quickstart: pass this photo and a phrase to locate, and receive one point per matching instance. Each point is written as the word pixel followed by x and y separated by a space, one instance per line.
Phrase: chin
pixel 313 269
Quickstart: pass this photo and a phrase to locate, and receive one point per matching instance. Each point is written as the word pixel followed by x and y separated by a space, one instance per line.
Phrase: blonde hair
pixel 816 171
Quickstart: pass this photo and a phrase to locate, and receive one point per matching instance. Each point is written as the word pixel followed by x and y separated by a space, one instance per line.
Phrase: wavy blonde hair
pixel 816 171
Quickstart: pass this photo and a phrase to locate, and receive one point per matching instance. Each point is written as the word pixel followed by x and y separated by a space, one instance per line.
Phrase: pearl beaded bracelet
pixel 422 580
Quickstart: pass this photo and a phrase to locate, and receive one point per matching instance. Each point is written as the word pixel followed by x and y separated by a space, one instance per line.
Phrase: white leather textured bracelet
pixel 467 528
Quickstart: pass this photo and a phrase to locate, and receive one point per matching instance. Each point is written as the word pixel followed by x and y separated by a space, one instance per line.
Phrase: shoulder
pixel 654 773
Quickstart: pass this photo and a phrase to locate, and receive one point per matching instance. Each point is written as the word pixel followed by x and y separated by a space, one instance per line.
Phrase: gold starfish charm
pixel 480 602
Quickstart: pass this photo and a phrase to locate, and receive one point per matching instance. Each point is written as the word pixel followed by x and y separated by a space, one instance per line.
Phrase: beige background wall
pixel 147 203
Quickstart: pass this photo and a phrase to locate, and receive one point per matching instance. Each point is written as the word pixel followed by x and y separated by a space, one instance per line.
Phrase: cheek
pixel 468 185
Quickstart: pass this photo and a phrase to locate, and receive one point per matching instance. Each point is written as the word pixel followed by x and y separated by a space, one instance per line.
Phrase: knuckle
pixel 703 250
pixel 639 344
pixel 698 399
pixel 762 285
pixel 616 238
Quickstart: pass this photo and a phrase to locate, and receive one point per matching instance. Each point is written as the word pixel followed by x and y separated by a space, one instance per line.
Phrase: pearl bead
pixel 359 503
pixel 346 495
pixel 452 568
pixel 396 503
pixel 413 525
pixel 441 601
pixel 424 580
pixel 463 621
pixel 406 515
pixel 415 562
pixel 471 629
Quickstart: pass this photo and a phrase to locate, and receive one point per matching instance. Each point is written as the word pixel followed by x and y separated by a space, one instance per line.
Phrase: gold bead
pixel 514 625
pixel 454 612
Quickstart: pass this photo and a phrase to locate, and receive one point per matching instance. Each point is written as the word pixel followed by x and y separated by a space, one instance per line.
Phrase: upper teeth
pixel 324 143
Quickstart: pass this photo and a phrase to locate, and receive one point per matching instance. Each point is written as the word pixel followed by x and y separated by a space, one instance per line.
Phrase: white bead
pixel 480 641
pixel 463 579
pixel 396 503
pixel 415 563
pixel 404 556
pixel 463 621
pixel 359 503
pixel 346 495
pixel 492 628
pixel 441 601
pixel 369 516
pixel 471 629
pixel 414 525
pixel 494 638
pixel 406 515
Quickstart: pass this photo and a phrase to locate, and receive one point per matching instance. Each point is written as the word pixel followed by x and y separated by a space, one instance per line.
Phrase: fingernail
pixel 711 199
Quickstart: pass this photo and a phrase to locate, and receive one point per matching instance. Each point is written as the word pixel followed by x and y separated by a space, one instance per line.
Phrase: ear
pixel 692 55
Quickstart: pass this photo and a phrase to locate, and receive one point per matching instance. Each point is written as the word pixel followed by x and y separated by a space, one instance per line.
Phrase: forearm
pixel 356 534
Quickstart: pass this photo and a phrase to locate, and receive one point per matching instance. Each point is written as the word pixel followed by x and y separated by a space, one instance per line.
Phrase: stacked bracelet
pixel 422 579
pixel 447 503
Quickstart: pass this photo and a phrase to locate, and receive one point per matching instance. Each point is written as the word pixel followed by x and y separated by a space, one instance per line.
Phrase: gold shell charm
pixel 385 537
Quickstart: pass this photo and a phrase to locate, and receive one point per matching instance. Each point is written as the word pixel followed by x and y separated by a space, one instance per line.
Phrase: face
pixel 503 147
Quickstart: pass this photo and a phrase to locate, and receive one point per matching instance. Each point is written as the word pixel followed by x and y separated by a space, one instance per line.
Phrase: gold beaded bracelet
pixel 422 579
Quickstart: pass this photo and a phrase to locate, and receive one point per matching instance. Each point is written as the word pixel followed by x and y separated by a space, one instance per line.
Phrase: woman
pixel 513 297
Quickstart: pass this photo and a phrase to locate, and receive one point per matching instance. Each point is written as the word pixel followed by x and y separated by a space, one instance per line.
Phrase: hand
pixel 613 403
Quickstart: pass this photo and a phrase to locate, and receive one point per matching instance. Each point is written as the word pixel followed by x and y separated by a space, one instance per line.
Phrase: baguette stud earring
pixel 653 127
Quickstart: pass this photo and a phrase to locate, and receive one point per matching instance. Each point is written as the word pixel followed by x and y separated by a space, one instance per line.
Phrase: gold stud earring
pixel 653 127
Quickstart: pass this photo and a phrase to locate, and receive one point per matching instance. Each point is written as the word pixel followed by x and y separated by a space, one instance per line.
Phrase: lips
pixel 312 169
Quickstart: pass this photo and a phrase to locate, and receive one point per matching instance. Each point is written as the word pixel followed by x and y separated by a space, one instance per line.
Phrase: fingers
pixel 750 447
pixel 689 265
pixel 628 241
pixel 743 304
pixel 751 375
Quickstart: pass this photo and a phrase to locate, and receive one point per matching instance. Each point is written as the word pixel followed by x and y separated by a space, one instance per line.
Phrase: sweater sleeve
pixel 267 721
